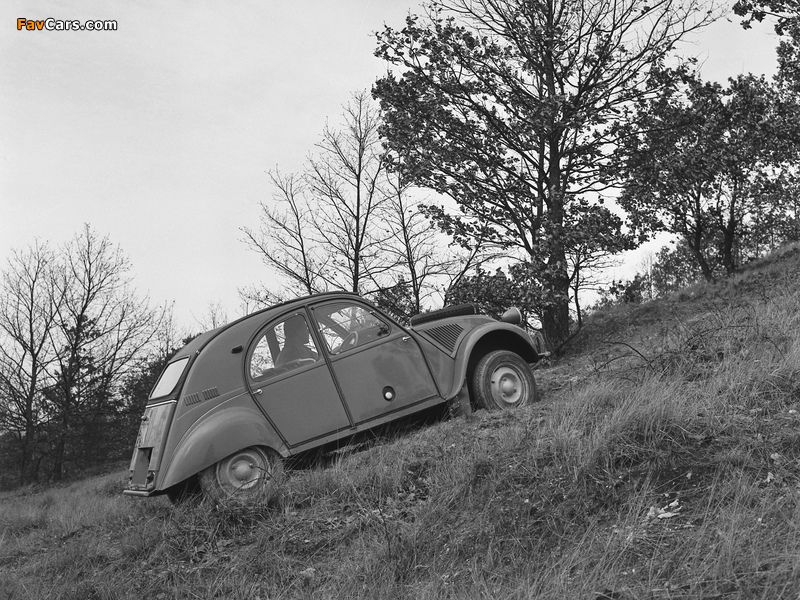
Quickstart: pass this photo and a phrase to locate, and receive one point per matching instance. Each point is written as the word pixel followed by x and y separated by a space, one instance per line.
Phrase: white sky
pixel 160 134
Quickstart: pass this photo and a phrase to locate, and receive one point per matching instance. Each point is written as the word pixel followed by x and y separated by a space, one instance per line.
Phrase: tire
pixel 503 380
pixel 245 474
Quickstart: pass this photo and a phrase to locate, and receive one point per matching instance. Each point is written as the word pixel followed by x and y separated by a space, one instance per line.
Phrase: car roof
pixel 204 338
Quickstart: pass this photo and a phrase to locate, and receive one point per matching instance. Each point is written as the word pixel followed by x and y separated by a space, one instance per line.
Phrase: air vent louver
pixel 198 397
pixel 446 335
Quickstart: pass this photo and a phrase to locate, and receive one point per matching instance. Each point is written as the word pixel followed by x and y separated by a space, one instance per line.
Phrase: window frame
pixel 330 323
pixel 169 369
pixel 268 332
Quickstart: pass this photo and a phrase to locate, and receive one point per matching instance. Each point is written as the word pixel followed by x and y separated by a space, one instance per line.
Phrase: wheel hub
pixel 506 385
pixel 242 471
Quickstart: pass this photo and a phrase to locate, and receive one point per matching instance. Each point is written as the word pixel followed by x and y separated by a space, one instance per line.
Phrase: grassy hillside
pixel 662 462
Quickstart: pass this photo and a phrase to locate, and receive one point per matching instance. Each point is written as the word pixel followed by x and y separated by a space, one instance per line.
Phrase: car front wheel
pixel 503 380
pixel 244 474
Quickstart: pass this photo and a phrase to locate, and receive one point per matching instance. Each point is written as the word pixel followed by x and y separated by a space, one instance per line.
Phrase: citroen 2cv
pixel 235 401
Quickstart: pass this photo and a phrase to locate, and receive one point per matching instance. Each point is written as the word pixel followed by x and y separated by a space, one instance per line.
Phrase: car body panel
pixel 396 366
pixel 230 426
pixel 221 404
pixel 460 336
pixel 309 391
pixel 490 336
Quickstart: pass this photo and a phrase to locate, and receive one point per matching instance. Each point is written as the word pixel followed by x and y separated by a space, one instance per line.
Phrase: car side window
pixel 345 326
pixel 282 347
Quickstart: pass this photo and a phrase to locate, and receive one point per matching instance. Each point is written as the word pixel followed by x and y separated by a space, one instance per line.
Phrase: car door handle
pixel 406 338
pixel 258 391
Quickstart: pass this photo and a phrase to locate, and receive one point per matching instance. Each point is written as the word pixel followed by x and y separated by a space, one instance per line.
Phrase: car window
pixel 345 326
pixel 169 378
pixel 282 347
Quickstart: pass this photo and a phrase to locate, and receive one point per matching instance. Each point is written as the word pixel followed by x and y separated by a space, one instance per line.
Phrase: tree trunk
pixel 57 469
pixel 703 263
pixel 555 314
pixel 728 238
pixel 23 462
pixel 555 324
pixel 694 239
pixel 727 252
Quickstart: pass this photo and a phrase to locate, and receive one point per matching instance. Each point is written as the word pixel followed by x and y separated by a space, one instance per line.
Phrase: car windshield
pixel 169 378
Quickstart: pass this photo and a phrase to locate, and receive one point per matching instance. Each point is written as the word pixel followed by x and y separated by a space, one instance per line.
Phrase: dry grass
pixel 664 463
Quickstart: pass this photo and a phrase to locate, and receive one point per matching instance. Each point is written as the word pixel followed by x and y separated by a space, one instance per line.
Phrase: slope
pixel 663 462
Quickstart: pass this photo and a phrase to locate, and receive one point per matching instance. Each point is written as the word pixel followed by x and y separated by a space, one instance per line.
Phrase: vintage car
pixel 304 374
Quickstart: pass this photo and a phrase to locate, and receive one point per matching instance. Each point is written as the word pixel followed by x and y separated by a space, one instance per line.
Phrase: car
pixel 235 402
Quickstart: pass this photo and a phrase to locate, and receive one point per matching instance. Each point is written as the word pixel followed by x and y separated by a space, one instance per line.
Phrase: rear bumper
pixel 139 493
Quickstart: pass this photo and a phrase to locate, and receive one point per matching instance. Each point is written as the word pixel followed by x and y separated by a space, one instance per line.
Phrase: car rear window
pixel 169 378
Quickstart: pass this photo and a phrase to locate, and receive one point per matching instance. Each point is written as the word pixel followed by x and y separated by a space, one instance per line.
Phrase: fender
pixel 484 339
pixel 231 426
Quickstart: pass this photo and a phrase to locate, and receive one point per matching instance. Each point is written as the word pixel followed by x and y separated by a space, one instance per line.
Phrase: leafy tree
pixel 511 109
pixel 589 251
pixel 632 291
pixel 700 163
pixel 397 300
pixel 785 15
pixel 781 226
pixel 674 268
pixel 785 12
pixel 492 293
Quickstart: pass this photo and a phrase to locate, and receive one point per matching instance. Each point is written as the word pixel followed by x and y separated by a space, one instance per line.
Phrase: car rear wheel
pixel 503 380
pixel 244 474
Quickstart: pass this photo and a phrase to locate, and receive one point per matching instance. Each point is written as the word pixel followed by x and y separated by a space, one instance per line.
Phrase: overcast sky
pixel 160 134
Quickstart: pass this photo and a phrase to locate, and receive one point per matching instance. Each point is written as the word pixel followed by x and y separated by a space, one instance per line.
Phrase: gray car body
pixel 216 408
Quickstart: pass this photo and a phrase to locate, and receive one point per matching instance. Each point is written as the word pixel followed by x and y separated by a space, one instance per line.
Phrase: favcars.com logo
pixel 69 25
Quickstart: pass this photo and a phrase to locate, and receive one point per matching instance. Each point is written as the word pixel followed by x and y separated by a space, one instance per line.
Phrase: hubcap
pixel 506 385
pixel 242 471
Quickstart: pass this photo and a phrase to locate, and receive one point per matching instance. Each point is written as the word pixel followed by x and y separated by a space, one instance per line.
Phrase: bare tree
pixel 345 178
pixel 71 328
pixel 285 238
pixel 348 223
pixel 424 262
pixel 324 229
pixel 216 315
pixel 29 304
pixel 100 328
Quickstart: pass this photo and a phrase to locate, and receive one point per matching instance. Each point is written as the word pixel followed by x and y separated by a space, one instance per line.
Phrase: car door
pixel 379 368
pixel 292 383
